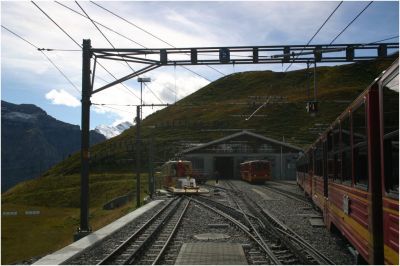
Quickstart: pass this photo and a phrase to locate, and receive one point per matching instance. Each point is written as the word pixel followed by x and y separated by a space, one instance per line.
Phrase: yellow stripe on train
pixel 391 256
pixel 360 230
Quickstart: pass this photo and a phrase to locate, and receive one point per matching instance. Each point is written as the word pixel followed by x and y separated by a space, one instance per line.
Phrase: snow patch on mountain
pixel 112 131
pixel 20 116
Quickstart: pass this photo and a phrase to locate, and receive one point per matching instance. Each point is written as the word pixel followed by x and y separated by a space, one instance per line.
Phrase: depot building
pixel 224 155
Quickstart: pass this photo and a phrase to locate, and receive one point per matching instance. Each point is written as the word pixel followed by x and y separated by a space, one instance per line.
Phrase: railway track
pixel 260 253
pixel 147 245
pixel 290 247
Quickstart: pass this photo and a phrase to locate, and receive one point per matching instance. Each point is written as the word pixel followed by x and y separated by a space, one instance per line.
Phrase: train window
pixel 346 151
pixel 318 159
pixel 390 99
pixel 337 158
pixel 330 155
pixel 360 147
pixel 311 161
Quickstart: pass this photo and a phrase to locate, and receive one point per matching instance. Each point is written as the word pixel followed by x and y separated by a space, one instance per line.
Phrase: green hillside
pixel 200 117
pixel 216 107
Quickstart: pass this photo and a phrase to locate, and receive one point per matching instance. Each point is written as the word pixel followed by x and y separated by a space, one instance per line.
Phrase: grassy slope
pixel 214 110
pixel 57 192
pixel 57 199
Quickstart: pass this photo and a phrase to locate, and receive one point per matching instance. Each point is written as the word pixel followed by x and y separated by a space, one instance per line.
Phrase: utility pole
pixel 138 156
pixel 141 80
pixel 315 82
pixel 151 172
pixel 84 228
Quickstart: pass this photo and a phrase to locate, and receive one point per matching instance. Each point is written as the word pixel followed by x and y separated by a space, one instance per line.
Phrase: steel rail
pixel 134 256
pixel 161 253
pixel 222 206
pixel 109 257
pixel 270 252
pixel 256 238
pixel 272 229
pixel 286 231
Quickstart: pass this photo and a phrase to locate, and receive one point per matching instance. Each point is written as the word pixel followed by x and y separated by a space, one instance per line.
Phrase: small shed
pixel 223 156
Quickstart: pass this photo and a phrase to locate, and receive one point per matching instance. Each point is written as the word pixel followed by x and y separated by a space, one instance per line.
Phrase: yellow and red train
pixel 351 171
pixel 257 171
pixel 178 179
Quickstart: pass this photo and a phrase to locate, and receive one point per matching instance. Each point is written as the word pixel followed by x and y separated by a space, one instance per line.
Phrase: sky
pixel 28 77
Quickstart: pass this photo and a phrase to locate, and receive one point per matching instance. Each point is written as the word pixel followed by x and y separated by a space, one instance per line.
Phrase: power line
pixel 81 47
pixel 151 34
pixel 315 34
pixel 48 58
pixel 124 36
pixel 105 37
pixel 394 37
pixel 351 22
pixel 152 92
pixel 91 20
pixel 56 24
pixel 104 105
pixel 98 23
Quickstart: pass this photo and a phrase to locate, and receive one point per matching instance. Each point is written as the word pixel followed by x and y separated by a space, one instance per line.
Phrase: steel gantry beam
pixel 158 57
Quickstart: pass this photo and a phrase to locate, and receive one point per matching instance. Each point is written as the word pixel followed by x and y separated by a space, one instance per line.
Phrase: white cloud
pixel 62 97
pixel 183 24
pixel 162 85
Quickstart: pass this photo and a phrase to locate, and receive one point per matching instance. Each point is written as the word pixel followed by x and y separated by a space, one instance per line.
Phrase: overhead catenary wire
pixel 124 36
pixel 87 15
pixel 113 46
pixel 315 34
pixel 44 54
pixel 95 22
pixel 152 92
pixel 81 47
pixel 100 24
pixel 118 109
pixel 105 37
pixel 144 30
pixel 351 22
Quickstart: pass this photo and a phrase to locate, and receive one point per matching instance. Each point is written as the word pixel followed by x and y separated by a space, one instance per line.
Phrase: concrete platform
pixel 211 236
pixel 211 254
pixel 62 255
pixel 317 222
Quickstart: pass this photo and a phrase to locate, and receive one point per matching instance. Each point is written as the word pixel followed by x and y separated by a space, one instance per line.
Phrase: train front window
pixel 390 99
pixel 360 147
pixel 346 151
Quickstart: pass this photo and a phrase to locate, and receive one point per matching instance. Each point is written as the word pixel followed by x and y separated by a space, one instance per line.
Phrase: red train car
pixel 354 171
pixel 257 171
